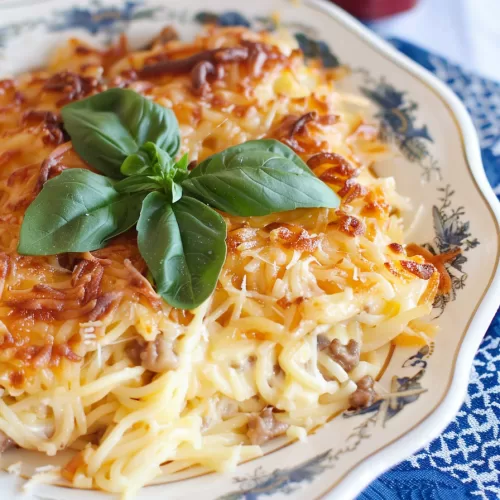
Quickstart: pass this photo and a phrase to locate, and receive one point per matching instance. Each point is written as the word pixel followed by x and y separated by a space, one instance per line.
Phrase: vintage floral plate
pixel 438 167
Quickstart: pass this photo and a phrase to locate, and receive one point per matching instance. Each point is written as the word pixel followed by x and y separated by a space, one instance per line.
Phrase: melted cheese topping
pixel 83 333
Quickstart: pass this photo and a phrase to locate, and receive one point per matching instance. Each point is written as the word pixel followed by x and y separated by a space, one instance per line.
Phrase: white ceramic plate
pixel 439 167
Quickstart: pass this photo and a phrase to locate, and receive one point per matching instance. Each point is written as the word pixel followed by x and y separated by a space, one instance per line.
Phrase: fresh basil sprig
pixel 108 127
pixel 133 141
pixel 152 168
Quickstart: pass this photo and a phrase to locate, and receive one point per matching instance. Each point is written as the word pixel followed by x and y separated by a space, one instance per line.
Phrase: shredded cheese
pixel 293 287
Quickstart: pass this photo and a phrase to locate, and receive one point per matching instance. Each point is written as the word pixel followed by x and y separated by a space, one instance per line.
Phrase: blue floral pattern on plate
pixel 228 18
pixel 317 49
pixel 262 484
pixel 398 122
pixel 100 18
pixel 451 233
pixel 96 18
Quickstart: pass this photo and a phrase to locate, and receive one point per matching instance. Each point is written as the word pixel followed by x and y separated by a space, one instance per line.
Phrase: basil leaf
pixel 172 190
pixel 184 247
pixel 252 181
pixel 151 169
pixel 107 127
pixel 138 183
pixel 180 176
pixel 260 145
pixel 150 159
pixel 136 164
pixel 183 163
pixel 77 211
pixel 181 171
pixel 162 162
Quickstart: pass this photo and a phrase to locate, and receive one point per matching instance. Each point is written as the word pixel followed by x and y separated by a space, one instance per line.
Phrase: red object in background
pixel 374 9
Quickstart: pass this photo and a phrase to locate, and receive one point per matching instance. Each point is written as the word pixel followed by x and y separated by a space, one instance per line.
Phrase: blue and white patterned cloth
pixel 464 462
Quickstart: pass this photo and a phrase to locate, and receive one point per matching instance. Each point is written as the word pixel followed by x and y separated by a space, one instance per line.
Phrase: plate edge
pixel 391 454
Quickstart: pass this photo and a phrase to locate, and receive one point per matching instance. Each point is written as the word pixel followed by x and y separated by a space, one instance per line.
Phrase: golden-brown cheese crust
pixel 212 80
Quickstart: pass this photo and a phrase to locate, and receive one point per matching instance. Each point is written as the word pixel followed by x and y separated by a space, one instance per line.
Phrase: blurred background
pixel 464 31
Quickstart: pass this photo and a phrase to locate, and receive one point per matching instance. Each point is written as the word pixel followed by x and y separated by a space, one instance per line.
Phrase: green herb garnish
pixel 134 141
pixel 108 127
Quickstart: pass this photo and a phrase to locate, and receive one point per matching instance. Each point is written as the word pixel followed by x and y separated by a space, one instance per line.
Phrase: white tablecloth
pixel 464 31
